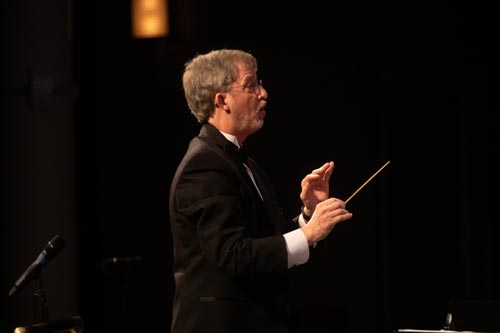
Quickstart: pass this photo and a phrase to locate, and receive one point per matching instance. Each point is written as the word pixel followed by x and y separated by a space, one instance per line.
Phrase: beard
pixel 249 125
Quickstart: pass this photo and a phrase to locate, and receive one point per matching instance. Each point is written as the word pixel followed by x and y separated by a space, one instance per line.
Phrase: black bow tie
pixel 239 154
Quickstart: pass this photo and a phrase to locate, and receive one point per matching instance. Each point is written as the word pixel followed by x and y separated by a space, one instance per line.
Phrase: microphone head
pixel 53 247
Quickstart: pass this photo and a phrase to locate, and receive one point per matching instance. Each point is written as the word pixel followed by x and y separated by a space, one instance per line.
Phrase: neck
pixel 228 129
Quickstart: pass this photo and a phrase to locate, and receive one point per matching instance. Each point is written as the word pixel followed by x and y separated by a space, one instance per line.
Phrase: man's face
pixel 247 101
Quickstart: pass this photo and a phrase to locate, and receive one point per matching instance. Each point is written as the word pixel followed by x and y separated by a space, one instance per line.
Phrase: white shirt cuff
pixel 297 247
pixel 302 220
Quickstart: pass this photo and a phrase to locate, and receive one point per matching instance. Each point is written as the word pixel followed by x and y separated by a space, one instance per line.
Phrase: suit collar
pixel 211 132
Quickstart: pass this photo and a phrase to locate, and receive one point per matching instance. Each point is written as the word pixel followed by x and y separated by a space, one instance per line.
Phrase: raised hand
pixel 316 187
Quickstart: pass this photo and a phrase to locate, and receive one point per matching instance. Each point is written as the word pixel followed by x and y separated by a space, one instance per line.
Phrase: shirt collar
pixel 231 138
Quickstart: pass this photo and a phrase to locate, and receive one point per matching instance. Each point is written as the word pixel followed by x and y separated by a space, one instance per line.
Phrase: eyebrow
pixel 249 78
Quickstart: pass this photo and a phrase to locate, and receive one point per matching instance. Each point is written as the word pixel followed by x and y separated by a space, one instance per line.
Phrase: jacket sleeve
pixel 213 202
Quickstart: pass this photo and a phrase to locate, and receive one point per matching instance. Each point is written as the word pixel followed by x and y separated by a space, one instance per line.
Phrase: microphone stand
pixel 42 323
pixel 41 308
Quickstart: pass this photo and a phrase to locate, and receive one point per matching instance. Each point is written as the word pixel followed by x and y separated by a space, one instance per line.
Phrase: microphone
pixel 54 246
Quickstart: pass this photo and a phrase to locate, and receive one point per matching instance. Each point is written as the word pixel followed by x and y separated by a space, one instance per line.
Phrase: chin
pixel 258 124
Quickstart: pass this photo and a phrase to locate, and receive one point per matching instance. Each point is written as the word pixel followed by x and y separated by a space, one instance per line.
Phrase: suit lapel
pixel 265 191
pixel 211 135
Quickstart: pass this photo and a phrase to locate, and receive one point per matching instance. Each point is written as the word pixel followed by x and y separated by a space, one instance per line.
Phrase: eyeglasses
pixel 252 87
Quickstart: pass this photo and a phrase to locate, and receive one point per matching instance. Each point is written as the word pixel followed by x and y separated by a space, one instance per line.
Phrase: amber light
pixel 149 18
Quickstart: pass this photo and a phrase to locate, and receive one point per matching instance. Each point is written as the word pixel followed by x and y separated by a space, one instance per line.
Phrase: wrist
pixel 308 234
pixel 306 214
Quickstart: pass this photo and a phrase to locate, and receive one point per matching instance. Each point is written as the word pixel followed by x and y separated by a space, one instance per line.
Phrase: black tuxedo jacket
pixel 230 261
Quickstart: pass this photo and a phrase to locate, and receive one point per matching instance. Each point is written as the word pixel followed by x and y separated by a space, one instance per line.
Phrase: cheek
pixel 246 106
pixel 253 103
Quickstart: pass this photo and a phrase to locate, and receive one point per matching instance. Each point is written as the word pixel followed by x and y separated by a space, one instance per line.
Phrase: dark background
pixel 94 123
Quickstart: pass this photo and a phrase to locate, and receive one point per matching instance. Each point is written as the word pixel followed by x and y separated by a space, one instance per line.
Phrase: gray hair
pixel 210 73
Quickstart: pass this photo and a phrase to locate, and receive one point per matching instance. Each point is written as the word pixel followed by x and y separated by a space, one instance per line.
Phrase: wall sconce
pixel 150 18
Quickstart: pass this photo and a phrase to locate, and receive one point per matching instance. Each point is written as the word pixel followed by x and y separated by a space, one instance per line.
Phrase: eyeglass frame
pixel 257 85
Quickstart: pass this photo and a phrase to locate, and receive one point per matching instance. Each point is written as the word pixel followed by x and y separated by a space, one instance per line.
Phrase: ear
pixel 220 101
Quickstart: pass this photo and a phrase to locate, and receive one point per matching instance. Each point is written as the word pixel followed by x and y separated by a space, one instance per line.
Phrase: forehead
pixel 245 71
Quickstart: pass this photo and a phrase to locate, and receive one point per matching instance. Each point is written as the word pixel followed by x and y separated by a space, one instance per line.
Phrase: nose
pixel 262 92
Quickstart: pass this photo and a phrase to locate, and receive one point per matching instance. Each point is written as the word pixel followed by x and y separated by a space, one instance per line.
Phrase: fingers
pixel 329 170
pixel 335 211
pixel 331 204
pixel 308 179
pixel 324 168
pixel 325 171
pixel 327 214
